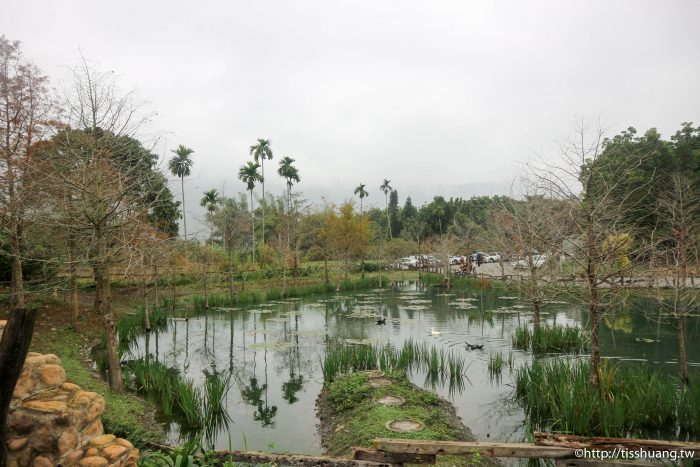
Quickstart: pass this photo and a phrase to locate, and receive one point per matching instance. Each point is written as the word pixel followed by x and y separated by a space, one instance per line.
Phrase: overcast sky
pixel 440 97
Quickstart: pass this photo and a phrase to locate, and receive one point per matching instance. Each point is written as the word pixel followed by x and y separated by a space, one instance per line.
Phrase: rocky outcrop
pixel 52 422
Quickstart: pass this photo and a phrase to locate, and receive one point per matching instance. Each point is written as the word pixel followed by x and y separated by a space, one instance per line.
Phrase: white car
pixel 492 258
pixel 409 262
pixel 537 261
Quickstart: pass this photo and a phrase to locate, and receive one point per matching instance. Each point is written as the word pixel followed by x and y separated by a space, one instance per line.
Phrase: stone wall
pixel 55 423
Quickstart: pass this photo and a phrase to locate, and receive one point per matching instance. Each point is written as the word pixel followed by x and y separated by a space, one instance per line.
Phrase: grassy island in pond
pixel 351 414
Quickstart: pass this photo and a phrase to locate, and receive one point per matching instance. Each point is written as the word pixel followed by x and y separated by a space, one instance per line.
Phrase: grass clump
pixel 131 325
pixel 631 400
pixel 440 365
pixel 348 390
pixel 194 408
pixel 346 424
pixel 557 338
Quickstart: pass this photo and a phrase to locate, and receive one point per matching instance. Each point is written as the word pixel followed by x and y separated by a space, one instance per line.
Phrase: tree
pixel 211 201
pixel 394 214
pixel 291 174
pixel 361 193
pixel 180 165
pixel 25 109
pixel 108 209
pixel 386 188
pixel 592 213
pixel 679 210
pixel 260 152
pixel 347 236
pixel 249 175
pixel 230 222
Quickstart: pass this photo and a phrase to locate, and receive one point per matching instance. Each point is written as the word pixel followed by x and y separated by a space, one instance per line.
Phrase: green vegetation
pixel 557 338
pixel 344 425
pixel 439 364
pixel 631 400
pixel 497 362
pixel 131 325
pixel 194 409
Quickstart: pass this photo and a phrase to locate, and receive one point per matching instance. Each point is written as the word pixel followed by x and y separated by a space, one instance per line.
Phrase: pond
pixel 274 352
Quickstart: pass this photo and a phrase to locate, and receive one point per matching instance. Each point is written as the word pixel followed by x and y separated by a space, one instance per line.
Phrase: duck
pixel 433 332
pixel 475 346
pixel 381 321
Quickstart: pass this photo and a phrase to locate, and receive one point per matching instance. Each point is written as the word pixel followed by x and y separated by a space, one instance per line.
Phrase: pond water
pixel 274 351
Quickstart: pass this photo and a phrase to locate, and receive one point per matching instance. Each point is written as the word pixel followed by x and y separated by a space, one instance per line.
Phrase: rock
pixel 102 440
pixel 47 406
pixel 41 461
pixel 93 461
pixel 74 455
pixel 25 384
pixel 84 398
pixel 68 440
pixel 53 375
pixel 20 422
pixel 17 444
pixel 94 428
pixel 92 452
pixel 125 443
pixel 44 440
pixel 96 409
pixel 113 452
pixel 70 387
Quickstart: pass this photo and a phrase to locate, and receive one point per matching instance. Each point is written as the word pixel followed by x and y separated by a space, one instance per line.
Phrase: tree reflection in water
pixel 253 394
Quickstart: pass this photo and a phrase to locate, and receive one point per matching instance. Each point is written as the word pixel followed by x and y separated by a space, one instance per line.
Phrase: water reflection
pixel 273 353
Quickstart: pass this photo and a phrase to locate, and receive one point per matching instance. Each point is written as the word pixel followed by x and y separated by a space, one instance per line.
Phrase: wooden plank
pixel 375 455
pixel 522 450
pixel 608 444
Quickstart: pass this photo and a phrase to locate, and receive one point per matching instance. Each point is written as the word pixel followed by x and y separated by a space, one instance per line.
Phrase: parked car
pixel 457 259
pixel 537 261
pixel 409 262
pixel 492 258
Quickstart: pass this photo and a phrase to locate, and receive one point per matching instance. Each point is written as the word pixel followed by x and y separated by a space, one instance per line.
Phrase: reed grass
pixel 196 409
pixel 439 364
pixel 630 400
pixel 252 297
pixel 557 338
pixel 131 325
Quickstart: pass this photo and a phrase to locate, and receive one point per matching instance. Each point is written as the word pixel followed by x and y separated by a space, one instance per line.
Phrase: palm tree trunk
pixel 262 169
pixel 184 214
pixel 252 213
pixel 388 219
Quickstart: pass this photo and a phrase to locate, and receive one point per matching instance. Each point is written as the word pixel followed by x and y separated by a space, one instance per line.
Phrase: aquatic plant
pixel 557 395
pixel 439 364
pixel 131 325
pixel 556 338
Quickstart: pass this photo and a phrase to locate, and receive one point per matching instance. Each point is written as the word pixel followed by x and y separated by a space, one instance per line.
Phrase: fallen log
pixel 610 444
pixel 487 449
pixel 375 455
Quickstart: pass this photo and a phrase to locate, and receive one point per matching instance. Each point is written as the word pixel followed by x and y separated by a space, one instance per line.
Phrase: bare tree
pixel 679 211
pixel 584 186
pixel 95 160
pixel 25 110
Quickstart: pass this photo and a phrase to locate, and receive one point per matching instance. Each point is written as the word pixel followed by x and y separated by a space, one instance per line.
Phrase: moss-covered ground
pixel 351 416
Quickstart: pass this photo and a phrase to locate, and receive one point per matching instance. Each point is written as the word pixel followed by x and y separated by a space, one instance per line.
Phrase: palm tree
pixel 386 188
pixel 249 175
pixel 260 152
pixel 288 171
pixel 211 200
pixel 360 191
pixel 180 166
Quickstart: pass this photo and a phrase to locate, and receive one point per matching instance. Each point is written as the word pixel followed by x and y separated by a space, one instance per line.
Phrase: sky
pixel 440 97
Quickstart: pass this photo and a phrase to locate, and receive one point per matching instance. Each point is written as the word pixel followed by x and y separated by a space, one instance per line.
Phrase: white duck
pixel 433 332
